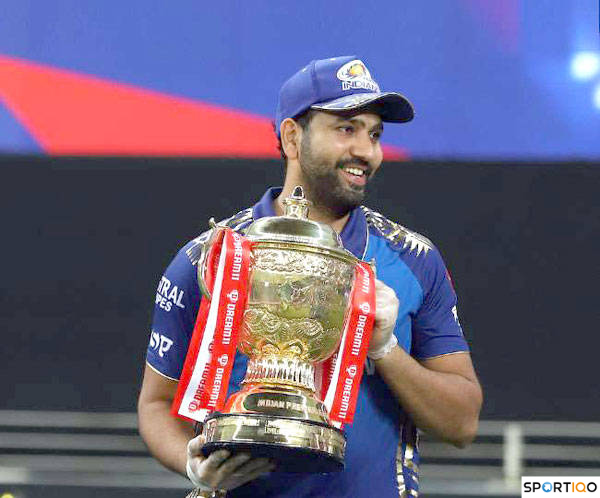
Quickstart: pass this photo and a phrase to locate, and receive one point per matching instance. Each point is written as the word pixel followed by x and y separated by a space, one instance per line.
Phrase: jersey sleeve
pixel 175 308
pixel 436 328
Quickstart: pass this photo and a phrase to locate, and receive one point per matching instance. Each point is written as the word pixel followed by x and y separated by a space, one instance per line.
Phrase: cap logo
pixel 354 75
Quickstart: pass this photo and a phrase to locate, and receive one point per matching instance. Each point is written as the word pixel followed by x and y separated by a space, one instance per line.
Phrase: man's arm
pixel 171 441
pixel 442 395
pixel 166 436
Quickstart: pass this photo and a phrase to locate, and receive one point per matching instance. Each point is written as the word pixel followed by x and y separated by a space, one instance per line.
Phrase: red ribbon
pixel 342 373
pixel 203 384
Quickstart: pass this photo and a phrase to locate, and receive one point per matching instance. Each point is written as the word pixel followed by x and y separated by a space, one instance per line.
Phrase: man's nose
pixel 363 147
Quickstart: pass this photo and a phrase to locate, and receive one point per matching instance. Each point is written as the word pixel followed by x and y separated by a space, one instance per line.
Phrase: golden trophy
pixel 301 279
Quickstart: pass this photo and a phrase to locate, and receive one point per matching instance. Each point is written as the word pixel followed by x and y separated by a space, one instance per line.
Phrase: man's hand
pixel 440 394
pixel 383 338
pixel 220 470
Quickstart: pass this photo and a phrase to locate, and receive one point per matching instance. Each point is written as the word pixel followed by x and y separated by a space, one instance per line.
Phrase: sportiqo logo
pixel 558 485
pixel 351 370
pixel 223 359
pixel 233 296
pixel 365 308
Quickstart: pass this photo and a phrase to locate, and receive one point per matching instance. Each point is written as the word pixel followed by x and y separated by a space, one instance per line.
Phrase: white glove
pixel 220 470
pixel 383 339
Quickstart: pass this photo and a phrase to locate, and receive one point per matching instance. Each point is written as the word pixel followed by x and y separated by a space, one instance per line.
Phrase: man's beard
pixel 325 186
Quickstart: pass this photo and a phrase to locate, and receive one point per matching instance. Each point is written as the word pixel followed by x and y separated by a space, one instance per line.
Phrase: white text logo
pixel 354 75
pixel 168 295
pixel 160 343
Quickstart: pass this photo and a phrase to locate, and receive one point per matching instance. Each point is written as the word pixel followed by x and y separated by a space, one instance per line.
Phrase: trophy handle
pixel 213 236
pixel 373 265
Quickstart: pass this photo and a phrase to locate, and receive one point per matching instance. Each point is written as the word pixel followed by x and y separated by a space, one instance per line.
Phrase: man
pixel 418 373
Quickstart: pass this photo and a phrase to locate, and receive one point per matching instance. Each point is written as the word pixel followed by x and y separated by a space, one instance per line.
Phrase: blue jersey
pixel 381 453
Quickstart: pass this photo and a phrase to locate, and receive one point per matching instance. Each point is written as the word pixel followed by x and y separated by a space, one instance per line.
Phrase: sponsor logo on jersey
pixel 455 314
pixel 354 75
pixel 168 295
pixel 160 343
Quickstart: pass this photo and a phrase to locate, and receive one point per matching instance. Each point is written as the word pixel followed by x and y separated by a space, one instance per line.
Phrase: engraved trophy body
pixel 300 283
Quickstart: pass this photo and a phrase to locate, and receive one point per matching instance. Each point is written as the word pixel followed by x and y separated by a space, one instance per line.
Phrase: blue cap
pixel 342 84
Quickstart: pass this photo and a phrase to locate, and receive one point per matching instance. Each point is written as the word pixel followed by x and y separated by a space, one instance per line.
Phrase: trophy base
pixel 299 446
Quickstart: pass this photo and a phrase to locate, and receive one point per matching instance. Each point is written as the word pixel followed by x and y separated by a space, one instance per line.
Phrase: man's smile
pixel 355 176
pixel 356 172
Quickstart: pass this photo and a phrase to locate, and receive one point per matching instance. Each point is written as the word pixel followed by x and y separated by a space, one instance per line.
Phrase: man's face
pixel 338 156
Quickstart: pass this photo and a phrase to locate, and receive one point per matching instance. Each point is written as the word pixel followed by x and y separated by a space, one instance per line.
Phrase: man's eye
pixel 346 129
pixel 376 135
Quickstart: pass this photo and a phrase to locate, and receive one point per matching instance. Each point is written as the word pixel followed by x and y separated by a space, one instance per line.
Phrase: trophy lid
pixel 294 226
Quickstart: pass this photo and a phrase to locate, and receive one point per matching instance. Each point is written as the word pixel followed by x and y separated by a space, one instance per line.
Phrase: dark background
pixel 84 242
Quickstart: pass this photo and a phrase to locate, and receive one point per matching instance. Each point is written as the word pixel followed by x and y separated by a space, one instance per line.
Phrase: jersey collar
pixel 354 234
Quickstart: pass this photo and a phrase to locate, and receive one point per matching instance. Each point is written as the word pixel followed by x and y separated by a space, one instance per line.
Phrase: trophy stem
pixel 277 370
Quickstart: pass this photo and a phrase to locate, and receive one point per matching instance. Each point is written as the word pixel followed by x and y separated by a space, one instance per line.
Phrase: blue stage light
pixel 585 65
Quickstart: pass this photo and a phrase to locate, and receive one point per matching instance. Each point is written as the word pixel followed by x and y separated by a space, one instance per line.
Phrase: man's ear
pixel 291 134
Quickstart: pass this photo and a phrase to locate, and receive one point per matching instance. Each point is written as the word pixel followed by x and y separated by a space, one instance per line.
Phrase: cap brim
pixel 391 106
